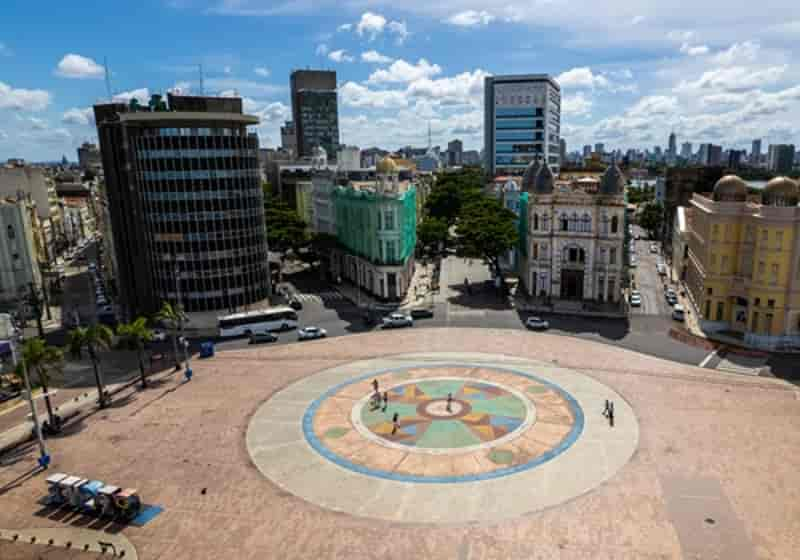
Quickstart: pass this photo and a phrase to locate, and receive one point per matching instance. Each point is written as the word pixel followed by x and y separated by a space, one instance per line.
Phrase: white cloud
pixel 81 67
pixel 76 116
pixel 402 71
pixel 38 124
pixel 636 20
pixel 464 88
pixel 734 78
pixel 345 27
pixel 340 56
pixel 23 99
pixel 244 87
pixel 261 71
pixel 582 78
pixel 141 94
pixel 180 88
pixel 371 24
pixel 678 35
pixel 653 105
pixel 322 49
pixel 577 105
pixel 738 53
pixel 400 29
pixel 375 57
pixel 697 50
pixel 470 18
pixel 356 95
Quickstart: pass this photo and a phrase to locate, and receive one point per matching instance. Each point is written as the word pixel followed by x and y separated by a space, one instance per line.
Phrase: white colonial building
pixel 576 236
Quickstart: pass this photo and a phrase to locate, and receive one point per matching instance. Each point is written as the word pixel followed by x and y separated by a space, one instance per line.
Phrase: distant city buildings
pixel 522 122
pixel 755 152
pixel 315 111
pixel 349 158
pixel 780 158
pixel 686 151
pixel 89 157
pixel 289 138
pixel 600 148
pixel 455 153
pixel 672 150
pixel 562 151
pixel 185 202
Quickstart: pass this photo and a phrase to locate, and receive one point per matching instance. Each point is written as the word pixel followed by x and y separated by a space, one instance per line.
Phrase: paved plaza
pixel 492 444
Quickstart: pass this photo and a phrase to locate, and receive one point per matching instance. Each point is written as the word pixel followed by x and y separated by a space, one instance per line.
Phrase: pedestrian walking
pixel 449 407
pixel 611 414
pixel 605 410
pixel 374 385
pixel 395 423
pixel 385 400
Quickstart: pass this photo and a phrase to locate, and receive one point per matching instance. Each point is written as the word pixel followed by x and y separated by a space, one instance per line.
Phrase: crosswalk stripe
pixel 322 296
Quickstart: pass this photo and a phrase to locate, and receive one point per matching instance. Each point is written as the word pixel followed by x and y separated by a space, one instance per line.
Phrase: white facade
pixel 680 243
pixel 576 245
pixel 349 158
pixel 18 265
pixel 28 180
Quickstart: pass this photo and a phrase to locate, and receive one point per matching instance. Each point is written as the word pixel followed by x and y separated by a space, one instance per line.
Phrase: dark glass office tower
pixel 315 111
pixel 186 204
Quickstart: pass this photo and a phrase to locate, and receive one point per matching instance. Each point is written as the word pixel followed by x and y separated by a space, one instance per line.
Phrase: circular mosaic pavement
pixel 468 432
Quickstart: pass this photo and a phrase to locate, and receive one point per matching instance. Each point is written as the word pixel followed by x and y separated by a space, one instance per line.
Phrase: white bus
pixel 263 320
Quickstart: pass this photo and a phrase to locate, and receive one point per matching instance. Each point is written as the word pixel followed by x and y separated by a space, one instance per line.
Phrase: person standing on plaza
pixel 395 423
pixel 385 400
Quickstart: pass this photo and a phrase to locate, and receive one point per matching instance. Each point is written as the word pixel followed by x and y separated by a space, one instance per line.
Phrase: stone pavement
pixel 712 472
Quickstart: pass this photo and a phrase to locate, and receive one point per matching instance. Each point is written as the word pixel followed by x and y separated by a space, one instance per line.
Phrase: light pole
pixel 44 457
pixel 185 343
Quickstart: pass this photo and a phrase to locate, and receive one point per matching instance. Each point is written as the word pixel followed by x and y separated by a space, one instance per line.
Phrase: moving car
pixel 261 338
pixel 8 395
pixel 311 333
pixel 635 299
pixel 662 269
pixel 653 248
pixel 295 304
pixel 159 335
pixel 396 320
pixel 537 324
pixel 678 313
pixel 421 313
pixel 672 297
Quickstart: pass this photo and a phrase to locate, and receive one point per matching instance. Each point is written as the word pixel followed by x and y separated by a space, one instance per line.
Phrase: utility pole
pixel 44 457
pixel 184 342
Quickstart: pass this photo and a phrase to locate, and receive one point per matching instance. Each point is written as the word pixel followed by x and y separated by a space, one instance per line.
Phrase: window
pixel 779 240
pixel 535 251
pixel 754 326
pixel 535 221
pixel 574 222
pixel 757 302
pixel 715 232
pixel 380 227
pixel 614 224
pixel 761 269
pixel 545 222
pixel 388 219
pixel 11 234
pixel 564 222
pixel 720 310
pixel 773 275
pixel 612 256
pixel 764 235
pixel 770 303
pixel 724 263
pixel 768 324
pixel 587 223
pixel 749 233
pixel 713 260
pixel 708 310
pixel 604 225
pixel 390 254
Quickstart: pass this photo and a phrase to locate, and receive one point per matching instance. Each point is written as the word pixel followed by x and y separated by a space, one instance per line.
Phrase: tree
pixel 173 317
pixel 451 193
pixel 486 230
pixel 44 360
pixel 651 218
pixel 93 339
pixel 286 230
pixel 134 336
pixel 432 231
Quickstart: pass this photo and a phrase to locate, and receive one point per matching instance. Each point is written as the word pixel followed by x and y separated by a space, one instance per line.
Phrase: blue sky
pixel 631 71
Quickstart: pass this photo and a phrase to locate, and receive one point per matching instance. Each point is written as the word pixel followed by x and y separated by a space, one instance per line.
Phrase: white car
pixel 653 248
pixel 635 299
pixel 311 333
pixel 159 335
pixel 537 324
pixel 396 320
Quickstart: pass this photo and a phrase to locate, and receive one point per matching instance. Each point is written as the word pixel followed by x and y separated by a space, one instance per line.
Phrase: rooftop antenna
pixel 202 91
pixel 108 80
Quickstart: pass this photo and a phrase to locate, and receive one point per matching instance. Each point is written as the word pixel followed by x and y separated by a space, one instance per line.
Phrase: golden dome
pixel 730 188
pixel 387 166
pixel 781 191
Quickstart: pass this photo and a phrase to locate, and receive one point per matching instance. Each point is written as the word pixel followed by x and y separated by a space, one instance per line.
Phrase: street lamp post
pixel 185 343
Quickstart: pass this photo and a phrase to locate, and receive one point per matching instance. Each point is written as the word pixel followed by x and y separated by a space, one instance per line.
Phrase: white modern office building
pixel 522 122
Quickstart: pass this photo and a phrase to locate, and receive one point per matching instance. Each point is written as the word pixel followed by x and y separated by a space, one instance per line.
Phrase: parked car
pixel 310 333
pixel 653 248
pixel 261 338
pixel 662 269
pixel 92 267
pixel 159 335
pixel 672 297
pixel 537 324
pixel 421 313
pixel 397 320
pixel 295 304
pixel 6 395
pixel 101 301
pixel 678 313
pixel 635 299
pixel 105 309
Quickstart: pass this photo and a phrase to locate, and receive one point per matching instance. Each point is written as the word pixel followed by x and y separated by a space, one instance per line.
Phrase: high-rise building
pixel 455 152
pixel 735 158
pixel 89 156
pixel 562 153
pixel 315 111
pixel 672 150
pixel 289 138
pixel 755 152
pixel 185 202
pixel 19 265
pixel 522 117
pixel 599 148
pixel 686 150
pixel 587 151
pixel 781 158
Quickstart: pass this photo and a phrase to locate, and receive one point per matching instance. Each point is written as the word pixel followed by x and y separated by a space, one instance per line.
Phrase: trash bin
pixel 207 350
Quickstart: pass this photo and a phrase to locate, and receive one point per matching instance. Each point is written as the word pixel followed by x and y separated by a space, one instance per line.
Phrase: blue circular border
pixel 566 443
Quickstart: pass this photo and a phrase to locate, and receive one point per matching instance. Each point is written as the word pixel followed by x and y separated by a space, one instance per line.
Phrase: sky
pixel 630 71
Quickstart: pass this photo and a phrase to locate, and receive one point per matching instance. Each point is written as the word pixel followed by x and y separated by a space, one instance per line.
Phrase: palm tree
pixel 92 338
pixel 134 336
pixel 44 360
pixel 172 316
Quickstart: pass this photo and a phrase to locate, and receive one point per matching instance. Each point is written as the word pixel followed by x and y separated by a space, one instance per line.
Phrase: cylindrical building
pixel 186 204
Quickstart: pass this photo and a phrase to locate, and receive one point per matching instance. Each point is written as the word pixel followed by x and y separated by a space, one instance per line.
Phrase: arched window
pixel 582 256
pixel 614 224
pixel 546 221
pixel 564 222
pixel 587 223
pixel 535 221
pixel 535 251
pixel 574 222
pixel 604 225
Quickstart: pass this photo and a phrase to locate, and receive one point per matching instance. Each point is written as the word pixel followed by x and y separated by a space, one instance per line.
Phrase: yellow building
pixel 743 269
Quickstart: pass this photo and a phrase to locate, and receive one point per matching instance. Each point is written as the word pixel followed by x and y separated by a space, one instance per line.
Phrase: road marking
pixel 708 358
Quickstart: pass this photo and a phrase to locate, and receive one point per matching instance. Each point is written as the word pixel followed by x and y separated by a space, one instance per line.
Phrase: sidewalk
pixel 418 294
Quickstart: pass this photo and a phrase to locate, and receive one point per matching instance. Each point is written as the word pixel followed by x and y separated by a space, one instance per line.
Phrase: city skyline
pixel 629 75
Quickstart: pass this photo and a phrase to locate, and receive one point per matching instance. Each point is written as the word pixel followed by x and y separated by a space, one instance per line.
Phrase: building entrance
pixel 571 284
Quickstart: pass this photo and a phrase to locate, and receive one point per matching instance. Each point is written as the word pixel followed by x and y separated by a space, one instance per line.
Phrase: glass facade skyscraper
pixel 315 111
pixel 522 123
